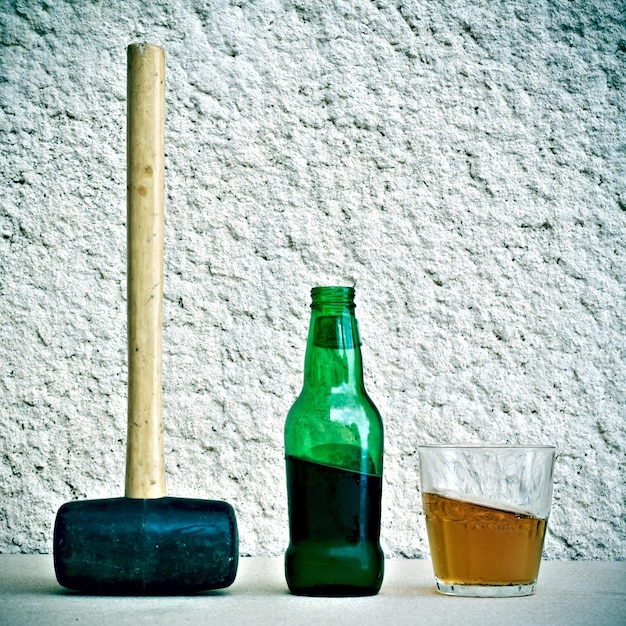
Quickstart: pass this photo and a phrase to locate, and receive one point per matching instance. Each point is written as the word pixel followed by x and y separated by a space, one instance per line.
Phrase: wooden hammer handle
pixel 145 465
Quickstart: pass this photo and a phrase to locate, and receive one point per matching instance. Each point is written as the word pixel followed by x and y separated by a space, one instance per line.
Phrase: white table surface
pixel 569 592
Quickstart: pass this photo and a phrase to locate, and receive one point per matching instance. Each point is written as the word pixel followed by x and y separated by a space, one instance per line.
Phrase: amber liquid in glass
pixel 474 544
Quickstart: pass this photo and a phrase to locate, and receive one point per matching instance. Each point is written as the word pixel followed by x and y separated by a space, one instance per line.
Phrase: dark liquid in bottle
pixel 335 526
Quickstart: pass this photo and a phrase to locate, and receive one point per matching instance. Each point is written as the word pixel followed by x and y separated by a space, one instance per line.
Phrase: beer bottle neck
pixel 333 355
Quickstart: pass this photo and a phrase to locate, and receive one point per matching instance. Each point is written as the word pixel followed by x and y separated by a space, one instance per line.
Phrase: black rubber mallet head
pixel 145 543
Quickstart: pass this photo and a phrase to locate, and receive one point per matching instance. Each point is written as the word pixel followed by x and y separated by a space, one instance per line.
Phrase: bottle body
pixel 334 456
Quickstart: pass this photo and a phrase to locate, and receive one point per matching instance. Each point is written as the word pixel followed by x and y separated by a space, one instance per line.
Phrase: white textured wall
pixel 462 162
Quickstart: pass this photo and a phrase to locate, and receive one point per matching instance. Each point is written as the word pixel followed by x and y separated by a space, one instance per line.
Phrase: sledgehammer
pixel 145 543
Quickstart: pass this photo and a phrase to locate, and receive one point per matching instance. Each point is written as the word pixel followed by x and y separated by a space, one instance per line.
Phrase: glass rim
pixel 486 446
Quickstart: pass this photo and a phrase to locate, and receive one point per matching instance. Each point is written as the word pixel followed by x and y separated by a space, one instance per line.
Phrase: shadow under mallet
pixel 145 542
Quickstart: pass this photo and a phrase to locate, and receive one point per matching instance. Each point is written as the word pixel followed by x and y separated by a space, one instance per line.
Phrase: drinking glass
pixel 486 510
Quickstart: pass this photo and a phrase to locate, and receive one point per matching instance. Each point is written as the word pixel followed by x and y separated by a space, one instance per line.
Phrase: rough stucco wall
pixel 463 163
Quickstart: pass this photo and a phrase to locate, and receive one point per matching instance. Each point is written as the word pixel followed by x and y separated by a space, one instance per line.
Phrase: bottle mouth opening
pixel 332 295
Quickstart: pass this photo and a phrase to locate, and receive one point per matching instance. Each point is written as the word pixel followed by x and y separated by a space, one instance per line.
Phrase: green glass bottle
pixel 334 458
